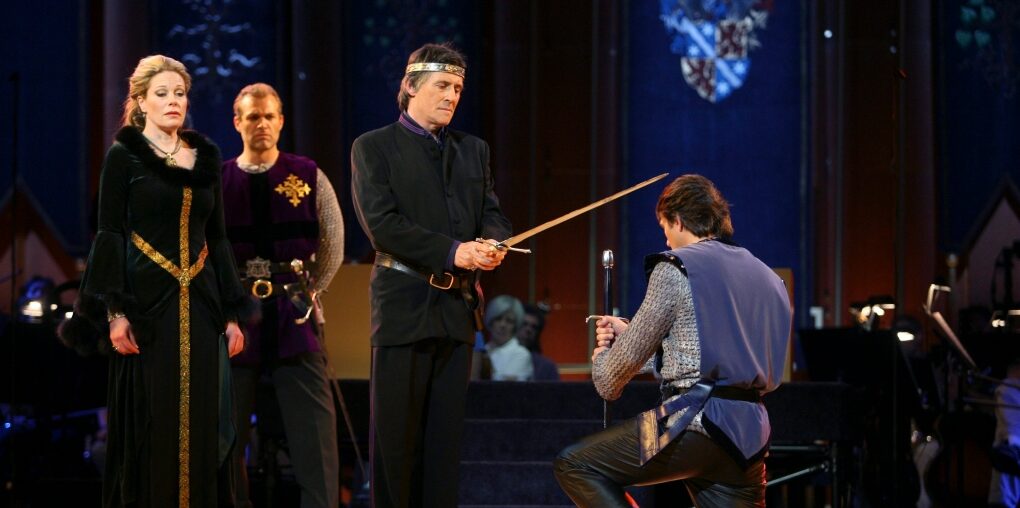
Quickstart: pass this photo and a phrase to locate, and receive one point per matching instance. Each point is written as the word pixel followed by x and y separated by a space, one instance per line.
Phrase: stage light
pixel 1002 319
pixel 32 309
pixel 41 302
pixel 904 336
pixel 883 302
pixel 35 300
pixel 868 313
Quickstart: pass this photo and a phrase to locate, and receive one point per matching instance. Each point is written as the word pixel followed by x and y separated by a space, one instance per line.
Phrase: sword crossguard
pixel 502 246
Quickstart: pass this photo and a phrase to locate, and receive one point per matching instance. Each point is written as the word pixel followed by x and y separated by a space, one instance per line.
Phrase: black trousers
pixel 594 471
pixel 418 392
pixel 309 420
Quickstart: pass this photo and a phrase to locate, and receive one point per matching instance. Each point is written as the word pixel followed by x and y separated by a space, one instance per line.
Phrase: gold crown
pixel 435 67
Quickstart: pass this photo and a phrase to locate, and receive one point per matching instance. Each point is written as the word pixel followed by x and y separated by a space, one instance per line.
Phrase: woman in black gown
pixel 162 276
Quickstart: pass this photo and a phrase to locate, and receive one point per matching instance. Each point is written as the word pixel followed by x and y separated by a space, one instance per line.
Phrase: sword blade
pixel 514 240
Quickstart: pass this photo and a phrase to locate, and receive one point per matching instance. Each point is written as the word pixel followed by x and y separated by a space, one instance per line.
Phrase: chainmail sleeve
pixel 614 368
pixel 667 319
pixel 330 254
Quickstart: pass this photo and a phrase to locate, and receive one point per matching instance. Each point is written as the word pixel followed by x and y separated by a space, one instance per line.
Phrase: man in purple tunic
pixel 280 207
pixel 715 323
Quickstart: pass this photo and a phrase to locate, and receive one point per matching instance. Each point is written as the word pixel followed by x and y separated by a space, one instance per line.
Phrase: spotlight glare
pixel 905 336
pixel 33 309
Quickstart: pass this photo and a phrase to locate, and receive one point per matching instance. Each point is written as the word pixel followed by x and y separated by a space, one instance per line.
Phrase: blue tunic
pixel 743 316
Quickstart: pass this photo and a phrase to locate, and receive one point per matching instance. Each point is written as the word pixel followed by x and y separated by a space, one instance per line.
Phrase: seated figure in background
pixel 510 360
pixel 529 335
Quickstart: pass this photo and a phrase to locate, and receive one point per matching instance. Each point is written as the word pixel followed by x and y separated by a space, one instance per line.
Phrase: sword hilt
pixel 503 246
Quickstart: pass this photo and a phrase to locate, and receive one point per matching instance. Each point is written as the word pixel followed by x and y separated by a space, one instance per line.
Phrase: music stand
pixel 954 342
pixel 950 338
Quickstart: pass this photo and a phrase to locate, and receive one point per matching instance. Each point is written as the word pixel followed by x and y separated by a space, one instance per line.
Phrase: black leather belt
pixel 720 392
pixel 258 268
pixel 445 281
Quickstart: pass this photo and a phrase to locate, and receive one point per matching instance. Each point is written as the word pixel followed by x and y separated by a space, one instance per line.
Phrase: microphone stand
pixel 968 371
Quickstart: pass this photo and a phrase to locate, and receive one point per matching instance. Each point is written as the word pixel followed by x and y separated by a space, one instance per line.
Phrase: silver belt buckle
pixel 258 268
pixel 433 283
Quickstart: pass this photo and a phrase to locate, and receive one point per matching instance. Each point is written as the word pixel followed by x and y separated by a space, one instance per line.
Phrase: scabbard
pixel 651 440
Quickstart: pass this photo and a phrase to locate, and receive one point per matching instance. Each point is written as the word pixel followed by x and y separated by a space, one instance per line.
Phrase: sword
pixel 514 240
pixel 607 307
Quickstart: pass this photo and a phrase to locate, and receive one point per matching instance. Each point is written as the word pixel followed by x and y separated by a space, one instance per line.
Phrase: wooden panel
pixel 348 326
pixel 555 149
pixel 787 275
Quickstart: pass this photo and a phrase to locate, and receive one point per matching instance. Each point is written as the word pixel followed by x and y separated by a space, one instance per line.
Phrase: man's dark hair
pixel 535 343
pixel 433 53
pixel 694 200
pixel 538 312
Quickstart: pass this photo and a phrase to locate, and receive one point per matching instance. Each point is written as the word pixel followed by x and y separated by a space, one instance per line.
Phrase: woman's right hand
pixel 122 338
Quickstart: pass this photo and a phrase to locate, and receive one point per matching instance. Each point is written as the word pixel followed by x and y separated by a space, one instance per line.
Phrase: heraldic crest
pixel 713 39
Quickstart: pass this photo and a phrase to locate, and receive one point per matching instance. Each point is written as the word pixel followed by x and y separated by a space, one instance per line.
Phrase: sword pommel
pixel 607 258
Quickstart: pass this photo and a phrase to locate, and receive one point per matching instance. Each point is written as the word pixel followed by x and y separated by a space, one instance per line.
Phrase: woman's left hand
pixel 235 339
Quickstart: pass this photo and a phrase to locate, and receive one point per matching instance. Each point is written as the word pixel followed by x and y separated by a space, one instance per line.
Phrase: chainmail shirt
pixel 666 318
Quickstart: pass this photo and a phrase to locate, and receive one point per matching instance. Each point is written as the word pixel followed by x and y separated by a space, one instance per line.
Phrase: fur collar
pixel 207 165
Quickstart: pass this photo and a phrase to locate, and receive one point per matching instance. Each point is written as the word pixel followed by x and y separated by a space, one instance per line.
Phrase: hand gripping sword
pixel 516 239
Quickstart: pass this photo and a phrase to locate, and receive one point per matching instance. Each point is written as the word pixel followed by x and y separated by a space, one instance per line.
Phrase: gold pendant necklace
pixel 168 157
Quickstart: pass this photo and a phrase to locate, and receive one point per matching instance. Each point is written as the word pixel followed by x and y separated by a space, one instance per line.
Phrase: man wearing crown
pixel 423 194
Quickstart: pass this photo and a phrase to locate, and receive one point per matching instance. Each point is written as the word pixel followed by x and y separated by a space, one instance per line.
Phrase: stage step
pixel 514 431
pixel 519 483
pixel 522 439
pixel 554 400
pixel 515 506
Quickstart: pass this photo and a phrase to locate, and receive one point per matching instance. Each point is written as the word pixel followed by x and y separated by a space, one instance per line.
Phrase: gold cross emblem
pixel 294 189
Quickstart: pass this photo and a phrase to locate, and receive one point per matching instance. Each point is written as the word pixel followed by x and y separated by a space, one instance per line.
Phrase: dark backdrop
pixel 749 143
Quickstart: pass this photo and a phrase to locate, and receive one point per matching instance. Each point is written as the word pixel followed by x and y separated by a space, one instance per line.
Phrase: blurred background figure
pixel 1005 488
pixel 511 361
pixel 530 335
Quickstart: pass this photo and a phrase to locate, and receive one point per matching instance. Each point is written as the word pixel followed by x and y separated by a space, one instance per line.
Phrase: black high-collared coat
pixel 414 200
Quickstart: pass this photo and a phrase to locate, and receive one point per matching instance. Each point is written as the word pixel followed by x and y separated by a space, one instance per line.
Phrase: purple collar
pixel 413 126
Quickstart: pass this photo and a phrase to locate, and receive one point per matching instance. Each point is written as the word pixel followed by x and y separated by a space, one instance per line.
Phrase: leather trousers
pixel 594 471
